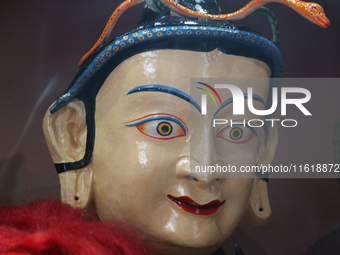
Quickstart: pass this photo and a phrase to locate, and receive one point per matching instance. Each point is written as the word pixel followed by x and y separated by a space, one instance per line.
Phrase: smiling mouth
pixel 190 206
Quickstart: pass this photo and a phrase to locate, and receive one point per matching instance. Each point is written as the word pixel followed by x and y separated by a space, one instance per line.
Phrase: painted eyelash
pixel 238 124
pixel 159 118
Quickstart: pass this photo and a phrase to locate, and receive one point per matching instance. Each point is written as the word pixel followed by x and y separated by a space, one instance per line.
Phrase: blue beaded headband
pixel 123 42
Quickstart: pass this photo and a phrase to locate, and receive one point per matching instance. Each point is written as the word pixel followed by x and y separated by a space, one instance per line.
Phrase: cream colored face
pixel 134 172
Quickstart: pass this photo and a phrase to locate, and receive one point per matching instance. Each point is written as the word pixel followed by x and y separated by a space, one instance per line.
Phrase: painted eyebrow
pixel 166 89
pixel 230 100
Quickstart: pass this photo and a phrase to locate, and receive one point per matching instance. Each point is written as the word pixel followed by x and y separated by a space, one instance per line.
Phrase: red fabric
pixel 50 227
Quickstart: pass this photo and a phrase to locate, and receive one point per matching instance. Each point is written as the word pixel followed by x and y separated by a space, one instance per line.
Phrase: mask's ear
pixel 65 134
pixel 259 211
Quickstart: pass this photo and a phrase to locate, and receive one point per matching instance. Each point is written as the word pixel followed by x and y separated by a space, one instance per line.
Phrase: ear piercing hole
pixel 261 209
pixel 76 197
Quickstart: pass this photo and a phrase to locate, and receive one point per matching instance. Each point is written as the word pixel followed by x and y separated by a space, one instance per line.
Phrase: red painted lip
pixel 189 205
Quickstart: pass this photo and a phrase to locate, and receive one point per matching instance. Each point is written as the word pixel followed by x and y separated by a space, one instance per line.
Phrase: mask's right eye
pixel 161 127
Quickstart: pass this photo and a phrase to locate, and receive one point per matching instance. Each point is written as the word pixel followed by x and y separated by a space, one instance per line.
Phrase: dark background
pixel 41 45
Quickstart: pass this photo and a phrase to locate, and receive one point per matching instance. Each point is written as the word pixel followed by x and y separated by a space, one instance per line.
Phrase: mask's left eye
pixel 161 127
pixel 237 133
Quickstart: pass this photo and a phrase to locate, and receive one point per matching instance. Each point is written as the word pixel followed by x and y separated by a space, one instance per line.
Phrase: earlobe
pixel 76 187
pixel 258 211
pixel 65 134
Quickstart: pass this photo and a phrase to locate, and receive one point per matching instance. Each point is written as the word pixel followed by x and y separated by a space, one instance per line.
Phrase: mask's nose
pixel 201 180
pixel 202 154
